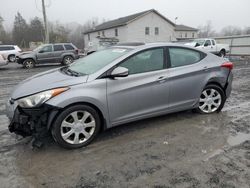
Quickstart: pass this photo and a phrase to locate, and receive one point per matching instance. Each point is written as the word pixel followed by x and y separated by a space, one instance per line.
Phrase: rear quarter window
pixel 69 47
pixel 184 56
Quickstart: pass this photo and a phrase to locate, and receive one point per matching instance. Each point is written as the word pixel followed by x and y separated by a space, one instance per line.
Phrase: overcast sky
pixel 189 12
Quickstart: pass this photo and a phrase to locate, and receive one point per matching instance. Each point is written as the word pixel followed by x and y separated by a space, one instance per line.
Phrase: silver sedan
pixel 117 85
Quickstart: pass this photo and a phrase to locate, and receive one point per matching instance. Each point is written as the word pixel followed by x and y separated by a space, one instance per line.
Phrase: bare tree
pixel 2 30
pixel 36 30
pixel 20 31
pixel 91 24
pixel 76 37
pixel 58 32
pixel 246 31
pixel 206 30
pixel 231 30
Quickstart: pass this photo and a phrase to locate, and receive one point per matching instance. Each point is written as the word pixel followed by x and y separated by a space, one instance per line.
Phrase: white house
pixel 147 26
pixel 183 32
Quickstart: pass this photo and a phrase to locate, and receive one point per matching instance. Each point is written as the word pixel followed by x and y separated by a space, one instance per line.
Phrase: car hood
pixel 45 81
pixel 26 54
pixel 192 44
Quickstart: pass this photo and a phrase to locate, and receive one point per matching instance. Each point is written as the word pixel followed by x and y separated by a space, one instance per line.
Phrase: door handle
pixel 205 68
pixel 161 79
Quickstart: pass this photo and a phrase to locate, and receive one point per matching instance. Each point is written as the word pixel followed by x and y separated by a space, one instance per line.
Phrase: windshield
pixel 96 61
pixel 199 41
pixel 39 48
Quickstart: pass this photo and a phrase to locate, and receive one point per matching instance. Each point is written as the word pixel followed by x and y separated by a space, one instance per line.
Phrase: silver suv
pixel 64 53
pixel 118 85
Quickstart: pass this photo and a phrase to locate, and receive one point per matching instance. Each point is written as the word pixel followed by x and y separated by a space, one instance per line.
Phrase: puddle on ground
pixel 238 139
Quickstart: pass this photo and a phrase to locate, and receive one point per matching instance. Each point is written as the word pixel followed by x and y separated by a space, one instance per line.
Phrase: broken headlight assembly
pixel 39 98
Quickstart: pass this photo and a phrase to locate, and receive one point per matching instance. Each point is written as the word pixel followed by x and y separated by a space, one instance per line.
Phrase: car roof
pixel 59 43
pixel 203 39
pixel 146 45
pixel 7 45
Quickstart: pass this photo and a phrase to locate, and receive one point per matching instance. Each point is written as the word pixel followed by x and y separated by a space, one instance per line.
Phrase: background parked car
pixel 3 61
pixel 64 53
pixel 210 45
pixel 10 52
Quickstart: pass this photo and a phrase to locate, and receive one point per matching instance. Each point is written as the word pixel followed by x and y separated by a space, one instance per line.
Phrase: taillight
pixel 228 65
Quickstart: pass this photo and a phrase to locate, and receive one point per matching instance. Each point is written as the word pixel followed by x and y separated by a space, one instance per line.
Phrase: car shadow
pixel 136 126
pixel 157 122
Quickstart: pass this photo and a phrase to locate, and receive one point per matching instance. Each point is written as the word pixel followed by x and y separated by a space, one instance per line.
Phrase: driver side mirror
pixel 119 72
pixel 206 44
pixel 197 44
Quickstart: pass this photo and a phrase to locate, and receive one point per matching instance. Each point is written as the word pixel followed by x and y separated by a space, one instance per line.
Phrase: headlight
pixel 39 98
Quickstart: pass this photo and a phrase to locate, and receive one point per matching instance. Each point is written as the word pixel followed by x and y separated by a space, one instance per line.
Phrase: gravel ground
pixel 178 150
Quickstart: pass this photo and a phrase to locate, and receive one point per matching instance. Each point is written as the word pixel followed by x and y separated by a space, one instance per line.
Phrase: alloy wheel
pixel 78 127
pixel 12 58
pixel 68 60
pixel 29 64
pixel 210 100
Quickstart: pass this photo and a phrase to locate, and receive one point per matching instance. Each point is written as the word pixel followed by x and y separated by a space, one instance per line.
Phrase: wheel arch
pixel 33 59
pixel 11 55
pixel 65 55
pixel 217 83
pixel 224 50
pixel 54 114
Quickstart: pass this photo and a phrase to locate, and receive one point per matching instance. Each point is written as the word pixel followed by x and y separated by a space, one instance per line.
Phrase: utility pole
pixel 45 23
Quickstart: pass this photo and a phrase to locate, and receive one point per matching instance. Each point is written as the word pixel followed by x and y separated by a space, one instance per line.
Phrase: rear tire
pixel 29 63
pixel 11 58
pixel 212 99
pixel 222 53
pixel 67 60
pixel 76 126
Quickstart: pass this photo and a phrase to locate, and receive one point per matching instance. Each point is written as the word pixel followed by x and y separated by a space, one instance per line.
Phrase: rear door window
pixel 68 47
pixel 58 47
pixel 183 56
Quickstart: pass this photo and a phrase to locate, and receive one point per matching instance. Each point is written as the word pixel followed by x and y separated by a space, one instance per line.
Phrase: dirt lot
pixel 179 150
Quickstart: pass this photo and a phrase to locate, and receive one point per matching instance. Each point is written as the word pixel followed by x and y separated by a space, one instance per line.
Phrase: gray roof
pixel 123 21
pixel 184 28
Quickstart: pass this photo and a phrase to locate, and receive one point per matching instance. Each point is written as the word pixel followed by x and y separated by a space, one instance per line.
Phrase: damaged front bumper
pixel 30 121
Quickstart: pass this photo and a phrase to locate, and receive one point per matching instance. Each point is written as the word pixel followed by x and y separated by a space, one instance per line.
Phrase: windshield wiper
pixel 71 72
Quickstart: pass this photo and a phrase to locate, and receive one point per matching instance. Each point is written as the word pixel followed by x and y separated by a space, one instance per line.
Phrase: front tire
pixel 212 99
pixel 29 63
pixel 76 126
pixel 222 53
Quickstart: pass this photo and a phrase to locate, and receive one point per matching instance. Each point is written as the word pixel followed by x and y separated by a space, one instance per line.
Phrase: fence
pixel 238 45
